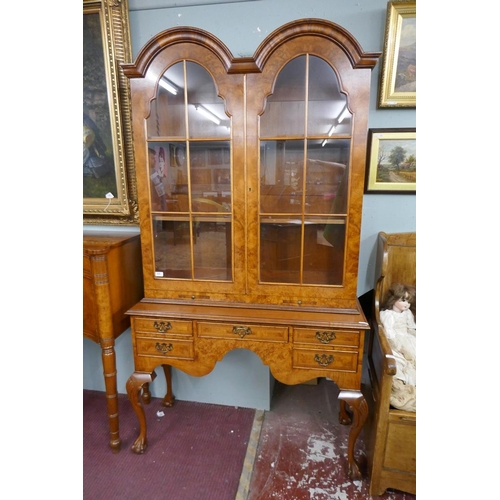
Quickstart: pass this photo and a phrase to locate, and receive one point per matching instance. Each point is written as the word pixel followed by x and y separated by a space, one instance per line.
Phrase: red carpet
pixel 196 451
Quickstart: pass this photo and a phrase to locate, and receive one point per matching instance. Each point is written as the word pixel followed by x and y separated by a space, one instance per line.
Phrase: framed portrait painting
pixel 398 76
pixel 392 161
pixel 109 189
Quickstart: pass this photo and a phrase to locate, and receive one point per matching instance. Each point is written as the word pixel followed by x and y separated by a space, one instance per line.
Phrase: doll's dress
pixel 401 329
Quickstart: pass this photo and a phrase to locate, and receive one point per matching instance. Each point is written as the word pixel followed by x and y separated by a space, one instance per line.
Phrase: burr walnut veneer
pixel 112 283
pixel 250 176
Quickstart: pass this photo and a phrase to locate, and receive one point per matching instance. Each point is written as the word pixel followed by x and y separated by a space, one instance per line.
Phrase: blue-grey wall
pixel 241 379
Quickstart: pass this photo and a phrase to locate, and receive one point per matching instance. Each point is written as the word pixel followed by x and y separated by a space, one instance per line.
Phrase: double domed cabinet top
pixel 250 177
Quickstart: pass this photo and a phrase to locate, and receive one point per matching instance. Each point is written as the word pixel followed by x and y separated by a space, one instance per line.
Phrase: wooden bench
pixel 390 434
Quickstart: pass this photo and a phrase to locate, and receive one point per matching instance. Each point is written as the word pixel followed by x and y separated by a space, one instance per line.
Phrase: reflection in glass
pixel 167 118
pixel 210 176
pixel 212 249
pixel 168 175
pixel 281 176
pixel 211 237
pixel 326 107
pixel 327 176
pixel 304 179
pixel 323 252
pixel 168 109
pixel 285 108
pixel 280 252
pixel 172 247
pixel 206 113
pixel 189 162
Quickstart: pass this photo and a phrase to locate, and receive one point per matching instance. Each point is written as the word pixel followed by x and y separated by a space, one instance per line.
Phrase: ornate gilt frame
pixel 398 13
pixel 115 35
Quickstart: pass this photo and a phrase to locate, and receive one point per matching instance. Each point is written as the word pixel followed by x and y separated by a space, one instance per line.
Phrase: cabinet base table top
pixel 298 344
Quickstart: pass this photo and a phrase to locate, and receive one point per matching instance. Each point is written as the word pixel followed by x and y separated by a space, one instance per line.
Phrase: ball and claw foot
pixel 353 471
pixel 353 403
pixel 139 446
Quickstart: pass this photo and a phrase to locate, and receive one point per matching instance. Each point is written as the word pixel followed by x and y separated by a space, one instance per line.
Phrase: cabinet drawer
pixel 162 326
pixel 330 337
pixel 243 332
pixel 164 348
pixel 325 360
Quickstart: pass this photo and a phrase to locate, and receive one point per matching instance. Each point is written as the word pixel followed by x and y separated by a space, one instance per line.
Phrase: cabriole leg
pixel 357 404
pixel 169 398
pixel 134 387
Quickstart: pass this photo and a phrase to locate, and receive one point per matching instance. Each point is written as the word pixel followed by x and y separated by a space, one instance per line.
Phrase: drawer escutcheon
pixel 325 337
pixel 323 360
pixel 162 327
pixel 163 348
pixel 242 331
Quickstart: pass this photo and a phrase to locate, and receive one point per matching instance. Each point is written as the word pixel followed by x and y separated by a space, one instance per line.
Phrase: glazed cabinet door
pixel 250 171
pixel 305 173
pixel 188 109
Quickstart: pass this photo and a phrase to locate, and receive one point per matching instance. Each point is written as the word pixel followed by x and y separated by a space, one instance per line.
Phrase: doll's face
pixel 402 304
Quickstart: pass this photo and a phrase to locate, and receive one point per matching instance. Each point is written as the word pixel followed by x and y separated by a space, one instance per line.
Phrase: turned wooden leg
pixel 134 386
pixel 357 404
pixel 169 398
pixel 109 369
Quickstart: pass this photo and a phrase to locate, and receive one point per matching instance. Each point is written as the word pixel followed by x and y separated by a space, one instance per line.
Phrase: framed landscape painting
pixel 398 76
pixel 392 161
pixel 109 189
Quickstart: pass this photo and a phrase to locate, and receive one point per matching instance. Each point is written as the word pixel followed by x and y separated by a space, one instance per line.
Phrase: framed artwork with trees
pixel 391 161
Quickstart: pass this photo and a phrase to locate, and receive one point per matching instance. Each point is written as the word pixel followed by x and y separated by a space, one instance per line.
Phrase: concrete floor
pixel 301 450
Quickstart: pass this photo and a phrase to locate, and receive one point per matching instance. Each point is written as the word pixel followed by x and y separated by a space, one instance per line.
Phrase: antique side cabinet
pixel 250 177
pixel 112 283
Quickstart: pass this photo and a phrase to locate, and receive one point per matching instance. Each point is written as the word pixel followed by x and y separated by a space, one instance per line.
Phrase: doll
pixel 401 332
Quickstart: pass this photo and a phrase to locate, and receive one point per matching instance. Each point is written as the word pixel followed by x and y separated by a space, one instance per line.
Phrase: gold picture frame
pixel 398 76
pixel 109 185
pixel 392 161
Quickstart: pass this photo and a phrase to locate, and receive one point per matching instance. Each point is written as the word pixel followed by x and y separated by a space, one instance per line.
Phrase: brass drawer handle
pixel 325 337
pixel 163 348
pixel 162 327
pixel 323 360
pixel 242 331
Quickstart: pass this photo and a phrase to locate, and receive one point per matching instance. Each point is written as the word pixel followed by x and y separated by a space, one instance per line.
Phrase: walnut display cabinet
pixel 250 176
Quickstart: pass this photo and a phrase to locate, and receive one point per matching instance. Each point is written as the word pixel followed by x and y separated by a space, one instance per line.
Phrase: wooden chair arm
pixel 389 359
pixel 379 332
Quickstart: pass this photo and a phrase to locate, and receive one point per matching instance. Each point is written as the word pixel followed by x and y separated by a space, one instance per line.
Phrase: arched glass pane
pixel 168 117
pixel 327 110
pixel 304 176
pixel 285 108
pixel 207 117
